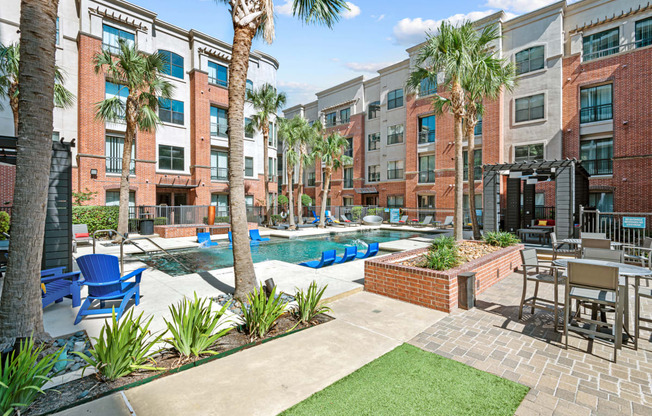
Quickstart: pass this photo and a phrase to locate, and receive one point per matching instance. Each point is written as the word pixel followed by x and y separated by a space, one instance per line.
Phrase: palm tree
pixel 330 151
pixel 251 17
pixel 140 74
pixel 9 74
pixel 449 51
pixel 290 131
pixel 268 103
pixel 310 134
pixel 21 312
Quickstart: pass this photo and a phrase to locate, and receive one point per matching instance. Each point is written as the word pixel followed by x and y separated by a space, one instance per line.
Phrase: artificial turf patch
pixel 410 381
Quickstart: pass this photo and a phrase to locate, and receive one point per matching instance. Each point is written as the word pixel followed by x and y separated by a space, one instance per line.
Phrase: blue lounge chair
pixel 55 285
pixel 252 242
pixel 102 276
pixel 327 258
pixel 349 254
pixel 255 236
pixel 372 250
pixel 205 240
pixel 314 214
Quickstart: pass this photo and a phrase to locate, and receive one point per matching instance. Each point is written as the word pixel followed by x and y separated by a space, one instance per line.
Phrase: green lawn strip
pixel 410 381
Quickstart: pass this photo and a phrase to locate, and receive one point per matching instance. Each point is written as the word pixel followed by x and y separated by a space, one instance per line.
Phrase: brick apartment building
pixel 185 161
pixel 584 76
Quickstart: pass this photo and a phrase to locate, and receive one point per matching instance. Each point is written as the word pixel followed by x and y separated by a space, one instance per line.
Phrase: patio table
pixel 543 234
pixel 578 242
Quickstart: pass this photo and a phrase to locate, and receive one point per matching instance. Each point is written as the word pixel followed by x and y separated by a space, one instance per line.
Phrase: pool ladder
pixel 132 241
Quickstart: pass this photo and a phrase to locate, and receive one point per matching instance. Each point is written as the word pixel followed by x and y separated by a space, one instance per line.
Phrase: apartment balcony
pixel 219 174
pixel 596 113
pixel 310 182
pixel 374 177
pixel 394 138
pixel 427 136
pixel 394 174
pixel 426 176
pixel 598 166
pixel 114 165
pixel 348 183
pixel 623 47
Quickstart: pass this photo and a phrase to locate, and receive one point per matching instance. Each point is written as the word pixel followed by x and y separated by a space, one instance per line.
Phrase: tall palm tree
pixel 9 74
pixel 268 103
pixel 290 131
pixel 310 134
pixel 330 152
pixel 21 312
pixel 140 74
pixel 448 51
pixel 251 17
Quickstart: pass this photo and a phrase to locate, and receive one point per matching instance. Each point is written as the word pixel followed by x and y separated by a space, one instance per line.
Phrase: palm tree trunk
pixel 243 266
pixel 130 134
pixel 470 138
pixel 290 199
pixel 268 220
pixel 457 100
pixel 13 103
pixel 324 198
pixel 300 188
pixel 21 312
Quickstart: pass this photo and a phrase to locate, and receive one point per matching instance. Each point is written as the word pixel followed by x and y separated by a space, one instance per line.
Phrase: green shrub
pixel 282 200
pixel 443 258
pixel 193 327
pixel 375 211
pixel 261 313
pixel 222 219
pixel 443 242
pixel 5 221
pixel 123 347
pixel 96 217
pixel 23 375
pixel 277 219
pixel 160 221
pixel 308 303
pixel 356 213
pixel 306 200
pixel 500 238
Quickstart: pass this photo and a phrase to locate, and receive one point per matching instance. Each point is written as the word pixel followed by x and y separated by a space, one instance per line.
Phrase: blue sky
pixel 373 34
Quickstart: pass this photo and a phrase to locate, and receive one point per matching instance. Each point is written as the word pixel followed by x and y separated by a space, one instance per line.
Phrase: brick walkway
pixel 562 382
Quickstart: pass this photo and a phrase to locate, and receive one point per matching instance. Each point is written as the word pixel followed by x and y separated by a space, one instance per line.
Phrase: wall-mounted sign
pixel 633 222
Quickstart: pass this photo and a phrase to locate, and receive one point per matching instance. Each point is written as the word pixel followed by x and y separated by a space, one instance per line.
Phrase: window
pixel 55 136
pixel 395 99
pixel 112 36
pixel 249 166
pixel 271 140
pixel 222 204
pixel 219 165
pixel 170 111
pixel 250 86
pixel 349 147
pixel 427 129
pixel 56 38
pixel 596 103
pixel 643 32
pixel 373 173
pixel 597 156
pixel 348 178
pixel 529 108
pixel 395 134
pixel 219 122
pixel 477 164
pixel 478 127
pixel 427 87
pixel 374 109
pixel 249 201
pixel 427 169
pixel 249 131
pixel 528 152
pixel 170 157
pixel 112 90
pixel 395 201
pixel 478 208
pixel 602 201
pixel 331 119
pixel 529 60
pixel 279 166
pixel 114 149
pixel 271 166
pixel 347 201
pixel 113 198
pixel 217 74
pixel 311 179
pixel 345 115
pixel 601 44
pixel 173 64
pixel 373 141
pixel 395 169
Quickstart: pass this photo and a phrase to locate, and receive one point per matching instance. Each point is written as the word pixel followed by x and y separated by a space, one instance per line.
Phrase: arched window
pixel 250 85
pixel 173 64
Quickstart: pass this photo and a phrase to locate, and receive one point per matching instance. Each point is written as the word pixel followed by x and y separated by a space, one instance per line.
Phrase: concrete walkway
pixel 272 377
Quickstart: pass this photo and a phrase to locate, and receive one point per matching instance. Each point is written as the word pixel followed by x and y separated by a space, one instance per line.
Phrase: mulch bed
pixel 466 250
pixel 91 387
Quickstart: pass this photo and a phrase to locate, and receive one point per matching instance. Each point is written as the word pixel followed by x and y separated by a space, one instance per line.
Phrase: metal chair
pixel 598 286
pixel 603 254
pixel 596 243
pixel 640 293
pixel 641 255
pixel 600 236
pixel 557 247
pixel 531 261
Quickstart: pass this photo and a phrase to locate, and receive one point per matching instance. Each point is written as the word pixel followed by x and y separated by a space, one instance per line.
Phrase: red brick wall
pixel 7 181
pixel 434 289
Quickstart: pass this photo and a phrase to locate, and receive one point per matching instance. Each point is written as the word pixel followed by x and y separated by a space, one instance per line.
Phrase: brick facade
pixel 7 181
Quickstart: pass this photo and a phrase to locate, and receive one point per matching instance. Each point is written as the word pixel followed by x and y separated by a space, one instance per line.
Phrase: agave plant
pixel 308 306
pixel 193 327
pixel 23 375
pixel 260 313
pixel 123 347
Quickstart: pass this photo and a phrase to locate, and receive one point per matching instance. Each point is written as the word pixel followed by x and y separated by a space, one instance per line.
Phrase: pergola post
pixel 565 201
pixel 490 200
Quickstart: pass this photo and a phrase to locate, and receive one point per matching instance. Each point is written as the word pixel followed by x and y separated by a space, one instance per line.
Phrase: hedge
pixel 4 223
pixel 96 217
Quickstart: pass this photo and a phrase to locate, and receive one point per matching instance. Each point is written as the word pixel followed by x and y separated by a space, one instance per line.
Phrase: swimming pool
pixel 294 250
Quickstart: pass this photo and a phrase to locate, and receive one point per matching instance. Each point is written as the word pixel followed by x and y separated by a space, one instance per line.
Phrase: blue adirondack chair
pixel 314 214
pixel 255 236
pixel 55 285
pixel 251 243
pixel 102 276
pixel 372 250
pixel 349 254
pixel 205 240
pixel 327 258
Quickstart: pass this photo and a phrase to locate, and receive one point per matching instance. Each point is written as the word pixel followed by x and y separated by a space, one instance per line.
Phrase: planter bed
pixel 398 276
pixel 85 389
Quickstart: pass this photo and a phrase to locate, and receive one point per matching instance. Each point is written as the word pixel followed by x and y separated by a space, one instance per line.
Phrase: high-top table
pixel 578 242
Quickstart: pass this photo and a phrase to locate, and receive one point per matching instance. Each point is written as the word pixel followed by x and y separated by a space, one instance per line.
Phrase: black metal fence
pixel 186 215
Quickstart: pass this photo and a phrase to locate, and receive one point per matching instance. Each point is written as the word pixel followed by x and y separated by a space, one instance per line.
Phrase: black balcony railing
pixel 311 182
pixel 596 113
pixel 476 169
pixel 426 137
pixel 219 174
pixel 374 177
pixel 348 183
pixel 395 138
pixel 114 165
pixel 219 130
pixel 394 173
pixel 426 176
pixel 219 82
pixel 598 166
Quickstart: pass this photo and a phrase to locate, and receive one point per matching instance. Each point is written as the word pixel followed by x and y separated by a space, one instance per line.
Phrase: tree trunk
pixel 243 266
pixel 470 138
pixel 458 111
pixel 131 113
pixel 300 188
pixel 324 198
pixel 21 312
pixel 268 219
pixel 292 224
pixel 13 103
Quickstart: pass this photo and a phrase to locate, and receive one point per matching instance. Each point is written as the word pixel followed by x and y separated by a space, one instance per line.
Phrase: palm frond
pixel 322 12
pixel 111 110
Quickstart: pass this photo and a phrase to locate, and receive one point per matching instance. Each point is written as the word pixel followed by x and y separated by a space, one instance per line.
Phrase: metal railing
pixel 374 177
pixel 394 173
pixel 114 165
pixel 596 113
pixel 426 176
pixel 355 213
pixel 615 226
pixel 395 138
pixel 623 47
pixel 186 215
pixel 598 166
pixel 219 174
pixel 427 136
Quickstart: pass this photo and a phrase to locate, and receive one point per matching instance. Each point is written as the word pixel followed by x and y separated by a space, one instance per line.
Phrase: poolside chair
pixel 334 221
pixel 530 261
pixel 596 243
pixel 372 250
pixel 639 254
pixel 255 236
pixel 601 236
pixel 603 254
pixel 346 221
pixel 327 258
pixel 102 276
pixel 448 222
pixel 80 234
pixel 205 240
pixel 426 221
pixel 316 220
pixel 558 249
pixel 349 254
pixel 55 285
pixel 402 221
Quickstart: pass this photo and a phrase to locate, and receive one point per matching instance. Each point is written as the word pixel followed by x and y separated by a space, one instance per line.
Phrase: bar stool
pixel 531 261
pixel 640 292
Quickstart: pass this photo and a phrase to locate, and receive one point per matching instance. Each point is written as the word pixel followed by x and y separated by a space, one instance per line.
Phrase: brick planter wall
pixel 431 288
pixel 173 231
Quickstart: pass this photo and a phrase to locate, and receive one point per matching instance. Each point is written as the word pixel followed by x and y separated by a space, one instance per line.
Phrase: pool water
pixel 294 250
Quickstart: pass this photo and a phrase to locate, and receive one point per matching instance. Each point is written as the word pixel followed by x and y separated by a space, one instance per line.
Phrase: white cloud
pixel 520 6
pixel 378 18
pixel 335 59
pixel 352 12
pixel 284 9
pixel 297 92
pixel 412 31
pixel 371 67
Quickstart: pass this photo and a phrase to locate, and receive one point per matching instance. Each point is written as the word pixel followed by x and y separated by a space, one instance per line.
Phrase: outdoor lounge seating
pixel 596 243
pixel 102 276
pixel 642 254
pixel 550 276
pixel 347 221
pixel 372 250
pixel 448 222
pixel 349 254
pixel 402 221
pixel 602 254
pixel 316 220
pixel 55 285
pixel 205 240
pixel 255 236
pixel 327 258
pixel 80 234
pixel 561 248
pixel 426 221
